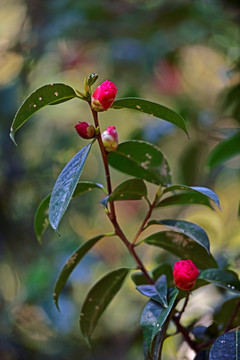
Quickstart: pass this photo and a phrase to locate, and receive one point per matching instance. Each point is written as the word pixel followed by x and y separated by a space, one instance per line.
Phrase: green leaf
pixel 98 298
pixel 193 231
pixel 65 186
pixel 70 265
pixel 151 108
pixel 226 346
pixel 183 246
pixel 224 312
pixel 46 95
pixel 142 160
pixel 132 189
pixel 225 279
pixel 41 220
pixel 189 195
pixel 157 292
pixel 154 318
pixel 224 151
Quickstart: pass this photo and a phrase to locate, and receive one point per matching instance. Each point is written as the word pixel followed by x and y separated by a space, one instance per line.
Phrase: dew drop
pixel 157 325
pixel 34 105
pixel 56 93
pixel 233 287
pixel 138 107
pixel 121 195
pixel 97 307
pixel 90 299
pixel 40 98
pixel 128 156
pixel 51 84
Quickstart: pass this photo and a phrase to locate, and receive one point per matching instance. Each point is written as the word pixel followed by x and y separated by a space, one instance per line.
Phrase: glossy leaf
pixel 193 231
pixel 46 95
pixel 41 220
pixel 142 160
pixel 154 317
pixel 151 108
pixel 65 186
pixel 224 312
pixel 132 189
pixel 70 265
pixel 224 151
pixel 226 347
pixel 182 246
pixel 225 279
pixel 98 299
pixel 157 292
pixel 189 195
pixel 162 289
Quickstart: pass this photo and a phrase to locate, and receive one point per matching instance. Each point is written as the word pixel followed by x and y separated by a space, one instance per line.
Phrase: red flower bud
pixel 110 139
pixel 85 130
pixel 104 95
pixel 185 274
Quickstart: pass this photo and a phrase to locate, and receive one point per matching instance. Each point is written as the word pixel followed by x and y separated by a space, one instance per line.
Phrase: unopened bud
pixel 85 130
pixel 104 96
pixel 110 139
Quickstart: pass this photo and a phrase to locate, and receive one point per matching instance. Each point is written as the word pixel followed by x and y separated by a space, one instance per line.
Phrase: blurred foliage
pixel 182 54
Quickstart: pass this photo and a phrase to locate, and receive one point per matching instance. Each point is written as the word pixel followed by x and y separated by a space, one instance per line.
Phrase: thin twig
pixel 229 325
pixel 184 333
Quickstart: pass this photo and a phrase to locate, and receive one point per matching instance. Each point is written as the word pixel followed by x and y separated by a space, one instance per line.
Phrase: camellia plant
pixel 163 286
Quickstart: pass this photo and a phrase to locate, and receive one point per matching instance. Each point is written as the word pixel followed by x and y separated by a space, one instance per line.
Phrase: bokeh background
pixel 183 54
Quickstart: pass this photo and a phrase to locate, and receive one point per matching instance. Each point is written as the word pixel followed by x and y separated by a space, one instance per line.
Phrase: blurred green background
pixel 183 54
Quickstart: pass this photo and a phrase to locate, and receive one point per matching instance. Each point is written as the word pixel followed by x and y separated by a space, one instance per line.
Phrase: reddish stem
pixel 112 213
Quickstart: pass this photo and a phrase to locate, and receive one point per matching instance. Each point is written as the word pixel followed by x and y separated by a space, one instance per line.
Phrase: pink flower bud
pixel 185 274
pixel 85 130
pixel 110 139
pixel 104 95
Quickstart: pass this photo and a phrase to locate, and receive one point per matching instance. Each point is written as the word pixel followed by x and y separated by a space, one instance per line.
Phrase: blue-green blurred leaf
pixel 224 151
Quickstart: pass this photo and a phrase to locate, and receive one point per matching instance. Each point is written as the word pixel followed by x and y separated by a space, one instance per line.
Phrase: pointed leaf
pixel 154 318
pixel 225 279
pixel 65 186
pixel 152 292
pixel 98 298
pixel 225 150
pixel 70 265
pixel 194 231
pixel 142 160
pixel 132 189
pixel 151 108
pixel 41 220
pixel 182 246
pixel 189 195
pixel 165 312
pixel 226 347
pixel 46 95
pixel 162 289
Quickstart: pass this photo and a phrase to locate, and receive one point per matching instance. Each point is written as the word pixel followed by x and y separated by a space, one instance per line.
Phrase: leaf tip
pixel 12 136
pixel 55 300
